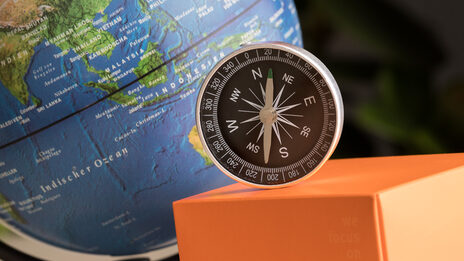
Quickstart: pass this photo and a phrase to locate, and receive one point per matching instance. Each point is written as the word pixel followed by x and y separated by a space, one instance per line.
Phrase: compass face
pixel 269 114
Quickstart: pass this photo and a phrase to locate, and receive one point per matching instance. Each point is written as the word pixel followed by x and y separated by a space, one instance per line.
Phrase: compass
pixel 269 114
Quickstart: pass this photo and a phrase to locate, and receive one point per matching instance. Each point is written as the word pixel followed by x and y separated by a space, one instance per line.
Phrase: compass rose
pixel 271 113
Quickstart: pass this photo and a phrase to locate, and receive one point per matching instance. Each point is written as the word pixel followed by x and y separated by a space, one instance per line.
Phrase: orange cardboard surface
pixel 386 208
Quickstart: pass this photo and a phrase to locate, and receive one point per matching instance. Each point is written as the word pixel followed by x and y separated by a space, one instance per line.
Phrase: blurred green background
pixel 398 66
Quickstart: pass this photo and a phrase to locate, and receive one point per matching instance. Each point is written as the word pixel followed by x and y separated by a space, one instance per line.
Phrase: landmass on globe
pixel 7 206
pixel 194 139
pixel 97 116
pixel 61 26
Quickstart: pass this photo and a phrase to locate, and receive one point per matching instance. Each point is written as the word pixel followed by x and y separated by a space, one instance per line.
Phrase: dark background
pixel 400 68
pixel 399 65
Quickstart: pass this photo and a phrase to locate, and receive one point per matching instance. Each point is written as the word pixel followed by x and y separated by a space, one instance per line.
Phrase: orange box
pixel 406 208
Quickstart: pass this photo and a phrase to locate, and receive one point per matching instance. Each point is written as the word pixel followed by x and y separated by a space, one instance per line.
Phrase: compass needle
pixel 269 95
pixel 266 115
pixel 273 119
pixel 267 142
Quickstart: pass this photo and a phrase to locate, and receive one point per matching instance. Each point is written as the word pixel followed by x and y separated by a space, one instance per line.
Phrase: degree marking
pixel 301 164
pixel 227 152
pixel 215 95
pixel 213 136
pixel 285 115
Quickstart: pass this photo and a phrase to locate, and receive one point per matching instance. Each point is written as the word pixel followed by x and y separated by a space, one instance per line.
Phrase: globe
pixel 97 124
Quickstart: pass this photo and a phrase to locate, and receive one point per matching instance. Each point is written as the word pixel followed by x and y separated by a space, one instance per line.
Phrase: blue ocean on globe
pixel 97 122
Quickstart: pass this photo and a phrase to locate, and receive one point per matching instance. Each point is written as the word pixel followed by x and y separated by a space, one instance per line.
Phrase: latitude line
pixel 104 98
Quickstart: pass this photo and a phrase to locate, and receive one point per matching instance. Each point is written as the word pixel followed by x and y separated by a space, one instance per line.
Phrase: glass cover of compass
pixel 269 114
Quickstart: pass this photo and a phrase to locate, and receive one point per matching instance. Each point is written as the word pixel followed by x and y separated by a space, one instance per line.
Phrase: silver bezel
pixel 323 71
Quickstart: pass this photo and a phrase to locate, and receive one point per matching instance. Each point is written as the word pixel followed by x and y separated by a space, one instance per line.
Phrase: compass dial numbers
pixel 267 116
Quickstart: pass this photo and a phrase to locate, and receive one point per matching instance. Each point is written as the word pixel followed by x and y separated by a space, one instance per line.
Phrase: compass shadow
pixel 236 191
